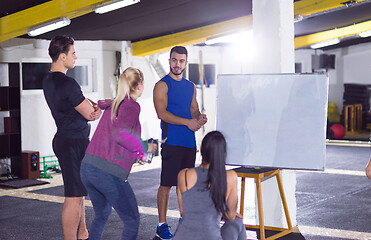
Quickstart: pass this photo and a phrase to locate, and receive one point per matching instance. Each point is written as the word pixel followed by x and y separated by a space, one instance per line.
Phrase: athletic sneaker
pixel 163 231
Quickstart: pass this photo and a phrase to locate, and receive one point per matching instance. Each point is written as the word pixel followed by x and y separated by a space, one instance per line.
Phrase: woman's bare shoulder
pixel 191 179
pixel 231 174
pixel 188 170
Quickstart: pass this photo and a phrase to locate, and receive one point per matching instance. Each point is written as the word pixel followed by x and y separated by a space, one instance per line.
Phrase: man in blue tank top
pixel 176 105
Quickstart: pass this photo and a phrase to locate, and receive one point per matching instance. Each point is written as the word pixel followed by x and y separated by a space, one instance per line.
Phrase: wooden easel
pixel 258 174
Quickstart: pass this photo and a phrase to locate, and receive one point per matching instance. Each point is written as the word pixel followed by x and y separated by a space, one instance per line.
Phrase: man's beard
pixel 176 74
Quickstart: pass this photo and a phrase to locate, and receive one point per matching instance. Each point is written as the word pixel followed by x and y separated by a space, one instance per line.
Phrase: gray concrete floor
pixel 334 204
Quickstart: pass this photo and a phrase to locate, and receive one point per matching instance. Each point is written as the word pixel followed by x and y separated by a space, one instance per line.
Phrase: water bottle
pixel 148 156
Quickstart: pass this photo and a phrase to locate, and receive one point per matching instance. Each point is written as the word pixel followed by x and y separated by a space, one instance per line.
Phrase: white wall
pixel 148 117
pixel 37 124
pixel 227 60
pixel 352 65
pixel 304 56
pixel 38 127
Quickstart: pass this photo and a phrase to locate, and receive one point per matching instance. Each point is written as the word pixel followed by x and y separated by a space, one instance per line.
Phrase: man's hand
pixel 152 148
pixel 202 119
pixel 92 102
pixel 89 110
pixel 97 111
pixel 193 124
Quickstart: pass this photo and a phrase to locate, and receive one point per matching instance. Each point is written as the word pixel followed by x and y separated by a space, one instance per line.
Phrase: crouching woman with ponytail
pixel 115 146
pixel 207 193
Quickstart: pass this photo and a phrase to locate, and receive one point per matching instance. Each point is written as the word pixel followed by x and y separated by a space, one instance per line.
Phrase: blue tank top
pixel 179 95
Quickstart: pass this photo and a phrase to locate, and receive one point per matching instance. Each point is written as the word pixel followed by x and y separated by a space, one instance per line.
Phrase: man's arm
pixel 195 111
pixel 88 111
pixel 160 101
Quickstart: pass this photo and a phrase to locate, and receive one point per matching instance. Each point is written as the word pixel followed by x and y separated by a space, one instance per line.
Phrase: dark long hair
pixel 214 152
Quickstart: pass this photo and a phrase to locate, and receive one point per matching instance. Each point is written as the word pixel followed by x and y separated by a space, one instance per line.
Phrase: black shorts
pixel 174 159
pixel 70 152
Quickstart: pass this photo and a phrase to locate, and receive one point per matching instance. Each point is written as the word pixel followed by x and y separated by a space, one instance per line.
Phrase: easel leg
pixel 260 209
pixel 242 199
pixel 285 208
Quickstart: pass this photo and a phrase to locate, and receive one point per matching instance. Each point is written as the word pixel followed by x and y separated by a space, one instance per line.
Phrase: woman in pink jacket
pixel 115 146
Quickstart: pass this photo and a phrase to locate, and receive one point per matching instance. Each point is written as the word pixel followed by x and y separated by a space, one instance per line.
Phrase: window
pixel 32 75
pixel 34 70
pixel 194 75
pixel 298 68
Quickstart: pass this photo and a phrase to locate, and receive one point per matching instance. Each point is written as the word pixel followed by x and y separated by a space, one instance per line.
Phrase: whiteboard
pixel 273 120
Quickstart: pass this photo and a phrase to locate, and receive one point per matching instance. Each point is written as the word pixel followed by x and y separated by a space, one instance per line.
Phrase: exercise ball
pixel 338 131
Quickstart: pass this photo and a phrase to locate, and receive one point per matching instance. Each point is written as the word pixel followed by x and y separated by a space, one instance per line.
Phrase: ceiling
pixel 159 22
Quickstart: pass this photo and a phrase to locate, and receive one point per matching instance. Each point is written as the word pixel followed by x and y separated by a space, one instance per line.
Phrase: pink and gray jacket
pixel 116 144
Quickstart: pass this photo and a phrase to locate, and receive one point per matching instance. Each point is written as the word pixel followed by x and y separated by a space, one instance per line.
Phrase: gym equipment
pixel 338 131
pixel 353 118
pixel 50 164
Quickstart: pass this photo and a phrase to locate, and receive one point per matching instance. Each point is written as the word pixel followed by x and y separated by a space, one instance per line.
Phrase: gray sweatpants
pixel 234 230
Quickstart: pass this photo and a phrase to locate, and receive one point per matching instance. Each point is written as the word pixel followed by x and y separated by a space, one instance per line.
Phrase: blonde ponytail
pixel 128 81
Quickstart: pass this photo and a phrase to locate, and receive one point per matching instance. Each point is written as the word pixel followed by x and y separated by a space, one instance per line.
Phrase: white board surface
pixel 274 120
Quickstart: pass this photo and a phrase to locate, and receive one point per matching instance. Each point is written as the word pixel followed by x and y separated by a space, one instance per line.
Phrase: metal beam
pixel 193 36
pixel 307 40
pixel 17 24
pixel 308 7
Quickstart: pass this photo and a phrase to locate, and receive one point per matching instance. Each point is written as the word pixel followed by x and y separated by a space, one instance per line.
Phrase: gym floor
pixel 334 204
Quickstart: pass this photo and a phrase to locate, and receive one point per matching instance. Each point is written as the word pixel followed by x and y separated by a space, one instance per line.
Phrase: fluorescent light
pixel 298 18
pixel 113 5
pixel 325 43
pixel 365 34
pixel 47 27
pixel 231 38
